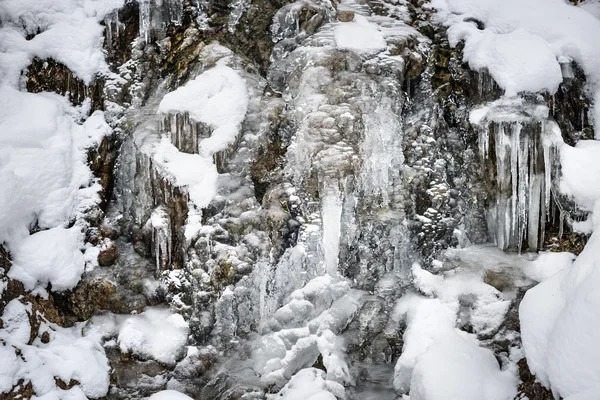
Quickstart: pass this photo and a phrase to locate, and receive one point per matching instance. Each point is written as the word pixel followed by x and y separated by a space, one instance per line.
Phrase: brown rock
pixel 108 256
pixel 345 15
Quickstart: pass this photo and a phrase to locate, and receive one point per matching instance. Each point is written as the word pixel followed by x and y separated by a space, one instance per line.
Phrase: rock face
pixel 355 166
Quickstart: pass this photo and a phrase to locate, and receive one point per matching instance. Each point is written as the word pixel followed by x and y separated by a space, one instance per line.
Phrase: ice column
pixel 332 221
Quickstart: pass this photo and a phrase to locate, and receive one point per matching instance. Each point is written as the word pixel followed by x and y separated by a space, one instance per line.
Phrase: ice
pixel 161 235
pixel 523 137
pixel 238 7
pixel 540 29
pixel 381 151
pixel 332 214
pixel 145 19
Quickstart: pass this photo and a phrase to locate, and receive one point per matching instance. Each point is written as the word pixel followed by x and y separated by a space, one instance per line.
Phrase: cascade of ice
pixel 382 152
pixel 202 18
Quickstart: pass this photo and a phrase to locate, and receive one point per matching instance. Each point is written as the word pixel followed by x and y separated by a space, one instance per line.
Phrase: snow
pixel 538 27
pixel 198 173
pixel 156 334
pixel 46 181
pixel 580 170
pixel 559 320
pixel 61 358
pixel 310 384
pixel 359 35
pixel 548 264
pixel 442 362
pixel 43 160
pixel 518 61
pixel 219 98
pixel 70 34
pixel 169 395
pixel 50 256
pixel 438 360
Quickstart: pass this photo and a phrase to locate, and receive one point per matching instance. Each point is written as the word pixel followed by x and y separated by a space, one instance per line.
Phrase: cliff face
pixel 294 199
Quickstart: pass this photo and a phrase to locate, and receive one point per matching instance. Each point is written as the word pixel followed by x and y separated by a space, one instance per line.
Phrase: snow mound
pixel 310 383
pixel 51 256
pixel 43 161
pixel 42 363
pixel 580 170
pixel 65 30
pixel 219 98
pixel 525 33
pixel 198 173
pixel 559 321
pixel 169 395
pixel 518 61
pixel 156 334
pixel 438 360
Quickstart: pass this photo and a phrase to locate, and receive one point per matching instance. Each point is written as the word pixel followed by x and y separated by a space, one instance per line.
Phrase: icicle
pixel 108 25
pixel 144 19
pixel 514 171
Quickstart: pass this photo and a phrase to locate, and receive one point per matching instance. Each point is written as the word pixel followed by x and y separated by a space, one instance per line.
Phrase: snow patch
pixel 359 35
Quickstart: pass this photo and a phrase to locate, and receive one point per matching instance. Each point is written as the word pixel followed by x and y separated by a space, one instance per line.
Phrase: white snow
pixel 156 334
pixel 310 384
pixel 527 33
pixel 359 35
pixel 70 34
pixel 438 360
pixel 69 355
pixel 50 256
pixel 198 173
pixel 518 60
pixel 580 170
pixel 559 323
pixel 442 362
pixel 169 395
pixel 43 161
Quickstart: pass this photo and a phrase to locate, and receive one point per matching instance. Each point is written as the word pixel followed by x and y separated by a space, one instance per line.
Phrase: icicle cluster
pixel 157 14
pixel 523 177
pixel 184 133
